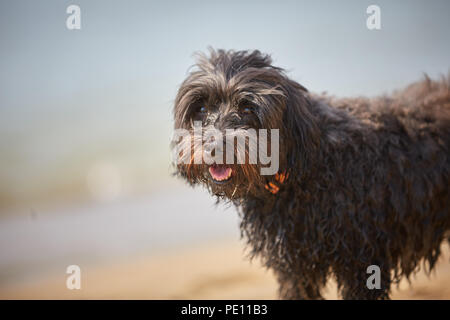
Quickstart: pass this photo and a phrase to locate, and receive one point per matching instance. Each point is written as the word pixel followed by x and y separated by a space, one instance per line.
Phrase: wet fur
pixel 368 178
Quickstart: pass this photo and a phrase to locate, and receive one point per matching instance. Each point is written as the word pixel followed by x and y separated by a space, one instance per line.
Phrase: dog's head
pixel 219 112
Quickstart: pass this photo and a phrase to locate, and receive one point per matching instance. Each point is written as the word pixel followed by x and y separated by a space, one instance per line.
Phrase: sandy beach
pixel 132 249
pixel 218 270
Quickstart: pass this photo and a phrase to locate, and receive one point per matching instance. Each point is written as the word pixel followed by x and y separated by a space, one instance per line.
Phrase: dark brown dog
pixel 361 181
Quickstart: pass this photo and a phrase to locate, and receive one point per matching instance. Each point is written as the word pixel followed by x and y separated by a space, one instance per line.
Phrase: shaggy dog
pixel 361 181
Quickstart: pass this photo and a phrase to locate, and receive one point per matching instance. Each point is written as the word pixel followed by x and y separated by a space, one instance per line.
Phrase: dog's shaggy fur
pixel 368 179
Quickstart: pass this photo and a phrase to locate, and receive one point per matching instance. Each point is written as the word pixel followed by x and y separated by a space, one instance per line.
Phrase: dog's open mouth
pixel 220 173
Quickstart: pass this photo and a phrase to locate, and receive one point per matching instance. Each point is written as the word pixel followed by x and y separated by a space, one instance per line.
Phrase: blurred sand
pixel 215 271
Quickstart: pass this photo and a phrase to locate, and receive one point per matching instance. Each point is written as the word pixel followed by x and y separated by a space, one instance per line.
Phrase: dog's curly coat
pixel 368 179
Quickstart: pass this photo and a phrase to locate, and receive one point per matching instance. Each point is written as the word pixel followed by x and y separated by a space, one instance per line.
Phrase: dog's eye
pixel 246 110
pixel 201 110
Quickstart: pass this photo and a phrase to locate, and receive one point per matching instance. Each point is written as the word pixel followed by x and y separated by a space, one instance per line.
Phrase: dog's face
pixel 234 95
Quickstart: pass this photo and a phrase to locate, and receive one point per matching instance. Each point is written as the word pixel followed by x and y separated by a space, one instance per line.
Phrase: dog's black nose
pixel 209 147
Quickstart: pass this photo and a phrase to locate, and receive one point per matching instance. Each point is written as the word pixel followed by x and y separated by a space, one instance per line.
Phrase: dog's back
pixel 395 152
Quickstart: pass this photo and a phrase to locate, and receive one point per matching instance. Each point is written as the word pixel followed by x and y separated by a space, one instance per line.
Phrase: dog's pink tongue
pixel 220 173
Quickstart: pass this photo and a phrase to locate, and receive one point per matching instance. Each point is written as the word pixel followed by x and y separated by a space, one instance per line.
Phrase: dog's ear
pixel 300 134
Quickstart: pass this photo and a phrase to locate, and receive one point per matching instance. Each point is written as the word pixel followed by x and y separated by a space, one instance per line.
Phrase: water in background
pixel 166 221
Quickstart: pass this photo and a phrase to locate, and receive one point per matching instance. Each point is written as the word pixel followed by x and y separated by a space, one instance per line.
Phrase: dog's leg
pixel 294 288
pixel 353 284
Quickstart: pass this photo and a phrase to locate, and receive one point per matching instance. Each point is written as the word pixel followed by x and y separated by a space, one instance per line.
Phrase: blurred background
pixel 85 124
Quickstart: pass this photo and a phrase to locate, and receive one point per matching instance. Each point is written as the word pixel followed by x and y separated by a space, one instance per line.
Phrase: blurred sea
pixel 171 218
